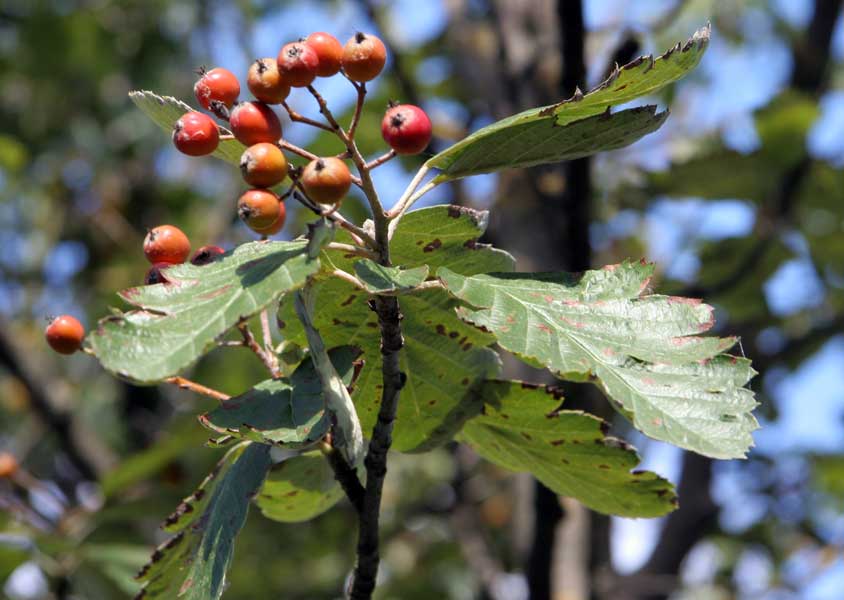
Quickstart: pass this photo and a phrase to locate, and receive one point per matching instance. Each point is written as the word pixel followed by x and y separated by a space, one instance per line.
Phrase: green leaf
pixel 299 489
pixel 166 110
pixel 576 127
pixel 192 564
pixel 446 236
pixel 522 429
pixel 643 350
pixel 279 411
pixel 180 320
pixel 442 358
pixel 379 279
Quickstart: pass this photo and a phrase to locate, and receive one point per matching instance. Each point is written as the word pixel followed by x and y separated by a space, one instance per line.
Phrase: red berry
pixel 263 165
pixel 275 227
pixel 364 57
pixel 196 134
pixel 255 122
pixel 298 64
pixel 166 244
pixel 65 334
pixel 217 84
pixel 326 180
pixel 8 465
pixel 156 274
pixel 329 51
pixel 258 208
pixel 406 128
pixel 265 82
pixel 206 255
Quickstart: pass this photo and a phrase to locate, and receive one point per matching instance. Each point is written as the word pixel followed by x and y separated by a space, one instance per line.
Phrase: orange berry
pixel 255 122
pixel 216 85
pixel 275 227
pixel 329 51
pixel 258 208
pixel 326 180
pixel 364 57
pixel 166 244
pixel 265 82
pixel 263 165
pixel 8 465
pixel 65 334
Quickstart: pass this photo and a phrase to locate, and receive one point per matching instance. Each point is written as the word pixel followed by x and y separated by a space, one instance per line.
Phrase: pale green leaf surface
pixel 299 489
pixel 192 564
pixel 644 350
pixel 544 134
pixel 379 279
pixel 166 110
pixel 521 429
pixel 280 411
pixel 180 320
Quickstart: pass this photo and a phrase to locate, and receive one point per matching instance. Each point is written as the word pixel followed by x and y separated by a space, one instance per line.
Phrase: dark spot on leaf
pixel 503 416
pixel 432 402
pixel 349 300
pixel 604 467
pixel 526 436
pixel 564 461
pixel 558 442
pixel 464 381
pixel 453 334
pixel 661 493
pixel 470 244
pixel 455 211
pixel 440 329
pixel 371 324
pixel 638 473
pixel 419 242
pixel 621 87
pixel 291 494
pixel 436 243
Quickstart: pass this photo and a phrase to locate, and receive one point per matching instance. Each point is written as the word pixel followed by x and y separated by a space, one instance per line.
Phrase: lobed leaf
pixel 379 279
pixel 166 110
pixel 522 428
pixel 180 320
pixel 643 350
pixel 576 127
pixel 280 411
pixel 192 564
pixel 299 489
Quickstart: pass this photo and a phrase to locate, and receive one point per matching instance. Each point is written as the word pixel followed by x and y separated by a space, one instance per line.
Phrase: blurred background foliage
pixel 739 199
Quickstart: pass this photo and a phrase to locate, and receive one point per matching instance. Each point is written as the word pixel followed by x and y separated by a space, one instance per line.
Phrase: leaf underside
pixel 643 350
pixel 290 413
pixel 379 279
pixel 180 320
pixel 299 489
pixel 578 126
pixel 522 429
pixel 166 110
pixel 192 564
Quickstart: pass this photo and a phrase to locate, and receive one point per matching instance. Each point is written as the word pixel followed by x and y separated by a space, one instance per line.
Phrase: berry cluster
pixel 322 181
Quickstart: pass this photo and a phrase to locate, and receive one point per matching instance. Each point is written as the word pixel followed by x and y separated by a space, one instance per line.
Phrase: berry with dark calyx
pixel 329 51
pixel 65 334
pixel 255 122
pixel 217 84
pixel 364 57
pixel 265 81
pixel 297 64
pixel 196 134
pixel 8 465
pixel 326 180
pixel 276 226
pixel 258 208
pixel 156 274
pixel 406 128
pixel 263 165
pixel 206 255
pixel 166 244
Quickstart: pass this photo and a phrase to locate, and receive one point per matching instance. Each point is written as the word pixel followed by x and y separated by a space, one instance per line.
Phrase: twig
pixel 267 358
pixel 358 234
pixel 380 160
pixel 348 277
pixel 361 89
pixel 197 388
pixel 265 331
pixel 399 208
pixel 326 112
pixel 298 118
pixel 285 145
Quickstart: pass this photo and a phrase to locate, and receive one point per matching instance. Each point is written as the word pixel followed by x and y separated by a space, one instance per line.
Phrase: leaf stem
pixel 380 160
pixel 285 145
pixel 298 118
pixel 197 388
pixel 361 89
pixel 345 475
pixel 267 358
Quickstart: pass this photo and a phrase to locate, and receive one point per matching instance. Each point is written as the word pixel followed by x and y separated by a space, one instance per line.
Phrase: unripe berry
pixel 8 465
pixel 297 64
pixel 196 134
pixel 206 255
pixel 406 128
pixel 329 51
pixel 255 122
pixel 65 334
pixel 258 208
pixel 275 227
pixel 217 84
pixel 263 165
pixel 326 180
pixel 156 274
pixel 364 57
pixel 166 244
pixel 265 82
